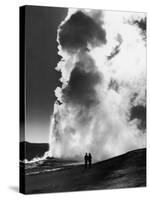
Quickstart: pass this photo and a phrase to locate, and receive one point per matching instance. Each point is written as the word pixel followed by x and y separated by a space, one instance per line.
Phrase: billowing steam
pixel 101 105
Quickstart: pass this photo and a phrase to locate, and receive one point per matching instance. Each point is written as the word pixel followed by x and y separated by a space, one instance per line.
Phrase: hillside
pixel 127 170
pixel 30 150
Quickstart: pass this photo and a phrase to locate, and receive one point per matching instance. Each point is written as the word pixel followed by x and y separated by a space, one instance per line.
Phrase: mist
pixel 100 107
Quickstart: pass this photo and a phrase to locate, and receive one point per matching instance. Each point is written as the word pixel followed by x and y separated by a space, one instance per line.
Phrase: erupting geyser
pixel 103 76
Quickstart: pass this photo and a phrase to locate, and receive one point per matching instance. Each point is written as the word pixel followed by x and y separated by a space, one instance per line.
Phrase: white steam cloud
pixel 103 76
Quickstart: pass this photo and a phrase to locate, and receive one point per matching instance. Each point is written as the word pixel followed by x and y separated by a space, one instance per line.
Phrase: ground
pixel 124 171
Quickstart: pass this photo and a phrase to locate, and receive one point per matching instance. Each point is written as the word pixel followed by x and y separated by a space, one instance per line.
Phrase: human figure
pixel 90 160
pixel 85 160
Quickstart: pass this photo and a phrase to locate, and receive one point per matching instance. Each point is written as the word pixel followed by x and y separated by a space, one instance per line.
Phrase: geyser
pixel 103 76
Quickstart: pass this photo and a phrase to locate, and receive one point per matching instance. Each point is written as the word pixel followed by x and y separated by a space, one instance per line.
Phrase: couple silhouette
pixel 87 160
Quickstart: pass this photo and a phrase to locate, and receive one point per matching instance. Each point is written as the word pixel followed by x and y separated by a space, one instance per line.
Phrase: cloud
pixel 81 30
pixel 116 49
pixel 103 86
pixel 141 24
pixel 139 112
pixel 81 86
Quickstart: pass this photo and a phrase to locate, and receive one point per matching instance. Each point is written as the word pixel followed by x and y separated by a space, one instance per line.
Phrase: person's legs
pixel 90 163
pixel 85 165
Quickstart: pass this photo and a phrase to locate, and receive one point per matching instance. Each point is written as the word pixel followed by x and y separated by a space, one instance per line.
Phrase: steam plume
pixel 102 98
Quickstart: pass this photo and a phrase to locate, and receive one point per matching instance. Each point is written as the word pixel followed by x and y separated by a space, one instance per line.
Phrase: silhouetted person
pixel 85 160
pixel 90 160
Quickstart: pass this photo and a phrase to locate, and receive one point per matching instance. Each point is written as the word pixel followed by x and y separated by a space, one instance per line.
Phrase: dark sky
pixel 41 77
